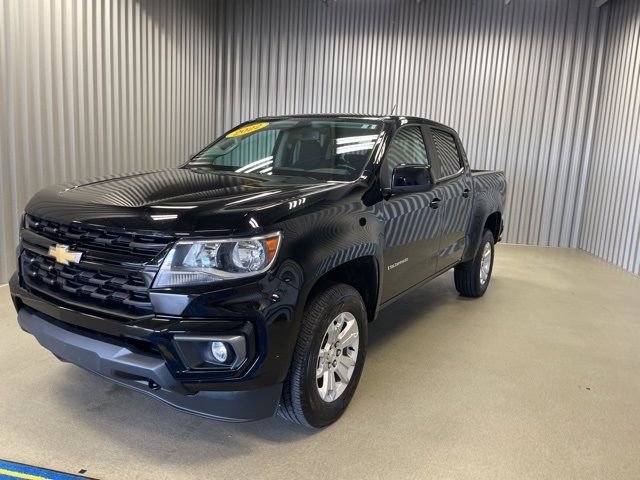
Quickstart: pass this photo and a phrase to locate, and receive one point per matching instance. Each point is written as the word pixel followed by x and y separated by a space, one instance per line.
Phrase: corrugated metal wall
pixel 95 87
pixel 611 219
pixel 112 85
pixel 515 80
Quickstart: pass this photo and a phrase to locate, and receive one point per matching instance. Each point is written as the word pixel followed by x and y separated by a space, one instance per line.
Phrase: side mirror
pixel 407 178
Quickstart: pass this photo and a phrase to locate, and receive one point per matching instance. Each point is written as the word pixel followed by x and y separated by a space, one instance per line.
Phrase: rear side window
pixel 407 146
pixel 447 152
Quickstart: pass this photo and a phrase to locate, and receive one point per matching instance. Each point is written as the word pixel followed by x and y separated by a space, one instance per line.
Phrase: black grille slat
pixel 103 297
pixel 88 289
pixel 123 295
pixel 67 287
pixel 66 275
pixel 141 245
pixel 75 236
pixel 46 278
pixel 144 245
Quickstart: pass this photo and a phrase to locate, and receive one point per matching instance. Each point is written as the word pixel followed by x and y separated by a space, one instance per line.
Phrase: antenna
pixel 393 110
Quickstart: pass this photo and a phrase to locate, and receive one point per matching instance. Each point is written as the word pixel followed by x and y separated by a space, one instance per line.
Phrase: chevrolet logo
pixel 63 255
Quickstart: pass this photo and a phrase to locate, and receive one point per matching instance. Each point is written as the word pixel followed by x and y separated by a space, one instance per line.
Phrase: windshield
pixel 323 149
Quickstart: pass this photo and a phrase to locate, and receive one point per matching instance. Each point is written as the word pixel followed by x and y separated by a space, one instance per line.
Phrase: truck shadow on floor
pixel 143 424
pixel 420 305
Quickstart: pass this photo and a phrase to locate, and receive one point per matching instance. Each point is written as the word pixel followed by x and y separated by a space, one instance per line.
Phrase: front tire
pixel 472 278
pixel 328 358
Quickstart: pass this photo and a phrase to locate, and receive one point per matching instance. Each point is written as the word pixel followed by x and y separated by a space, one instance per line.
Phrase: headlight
pixel 199 262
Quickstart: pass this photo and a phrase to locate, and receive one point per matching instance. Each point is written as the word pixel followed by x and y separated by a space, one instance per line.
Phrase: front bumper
pixel 147 374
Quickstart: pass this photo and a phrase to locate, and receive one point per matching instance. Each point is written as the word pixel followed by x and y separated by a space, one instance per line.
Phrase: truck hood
pixel 181 201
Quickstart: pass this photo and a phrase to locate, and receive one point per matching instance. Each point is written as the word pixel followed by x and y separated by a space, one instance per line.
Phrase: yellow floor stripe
pixel 26 476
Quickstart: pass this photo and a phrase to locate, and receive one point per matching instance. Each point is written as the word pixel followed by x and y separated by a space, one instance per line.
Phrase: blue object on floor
pixel 13 471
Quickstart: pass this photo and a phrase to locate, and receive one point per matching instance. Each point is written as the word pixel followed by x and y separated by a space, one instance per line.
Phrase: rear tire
pixel 320 361
pixel 472 278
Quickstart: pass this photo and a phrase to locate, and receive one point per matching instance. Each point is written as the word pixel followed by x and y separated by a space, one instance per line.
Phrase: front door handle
pixel 465 193
pixel 435 203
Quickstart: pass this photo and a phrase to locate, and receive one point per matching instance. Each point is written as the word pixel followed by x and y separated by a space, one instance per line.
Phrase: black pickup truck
pixel 242 283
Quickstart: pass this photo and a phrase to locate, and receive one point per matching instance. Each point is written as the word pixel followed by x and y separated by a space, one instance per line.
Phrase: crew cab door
pixel 453 188
pixel 411 221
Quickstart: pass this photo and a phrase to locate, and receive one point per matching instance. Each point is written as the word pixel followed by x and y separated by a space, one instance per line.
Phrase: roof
pixel 390 118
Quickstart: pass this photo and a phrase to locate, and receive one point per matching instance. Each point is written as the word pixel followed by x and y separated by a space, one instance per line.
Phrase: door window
pixel 447 152
pixel 407 146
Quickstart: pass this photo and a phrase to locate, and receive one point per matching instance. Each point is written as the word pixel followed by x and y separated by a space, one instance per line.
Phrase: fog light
pixel 211 352
pixel 219 351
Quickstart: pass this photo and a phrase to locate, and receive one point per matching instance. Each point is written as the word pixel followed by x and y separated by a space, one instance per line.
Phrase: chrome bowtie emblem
pixel 63 255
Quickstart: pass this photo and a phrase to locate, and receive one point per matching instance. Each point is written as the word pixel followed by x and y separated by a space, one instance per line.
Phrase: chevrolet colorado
pixel 242 282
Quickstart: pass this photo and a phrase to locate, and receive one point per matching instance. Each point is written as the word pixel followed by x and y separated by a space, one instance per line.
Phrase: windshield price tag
pixel 248 129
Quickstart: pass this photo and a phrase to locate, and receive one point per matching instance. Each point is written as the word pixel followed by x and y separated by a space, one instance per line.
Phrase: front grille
pixel 144 245
pixel 121 294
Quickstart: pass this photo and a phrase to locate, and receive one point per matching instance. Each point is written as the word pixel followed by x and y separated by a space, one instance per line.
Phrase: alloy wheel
pixel 485 263
pixel 337 356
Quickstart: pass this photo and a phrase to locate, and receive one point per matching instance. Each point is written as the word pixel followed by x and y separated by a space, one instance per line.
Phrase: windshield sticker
pixel 248 129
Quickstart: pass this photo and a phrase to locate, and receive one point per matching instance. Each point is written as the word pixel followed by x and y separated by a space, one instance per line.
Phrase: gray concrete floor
pixel 540 378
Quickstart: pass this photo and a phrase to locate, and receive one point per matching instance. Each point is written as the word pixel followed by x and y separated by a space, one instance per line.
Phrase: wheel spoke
pixel 347 361
pixel 324 389
pixel 344 368
pixel 321 368
pixel 334 330
pixel 340 388
pixel 331 384
pixel 349 335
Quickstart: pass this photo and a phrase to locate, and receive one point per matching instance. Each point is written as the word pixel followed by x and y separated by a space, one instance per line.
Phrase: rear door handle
pixel 465 193
pixel 435 203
